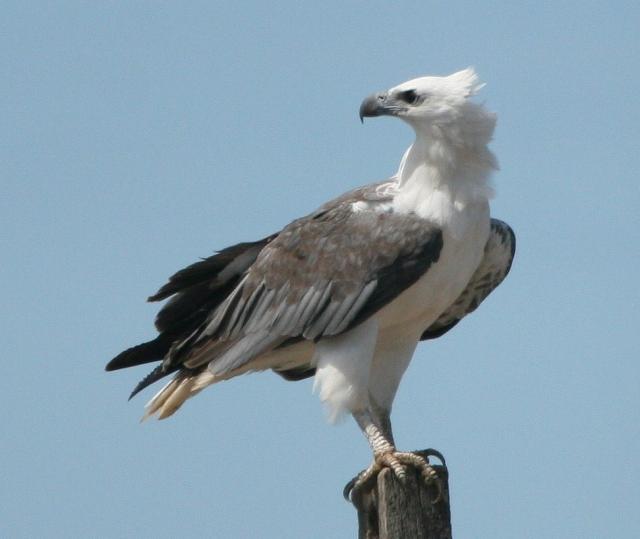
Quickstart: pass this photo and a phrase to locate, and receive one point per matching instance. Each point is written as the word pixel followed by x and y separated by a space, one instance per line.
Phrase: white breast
pixel 465 227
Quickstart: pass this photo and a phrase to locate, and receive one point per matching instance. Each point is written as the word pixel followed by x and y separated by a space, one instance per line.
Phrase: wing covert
pixel 494 267
pixel 322 275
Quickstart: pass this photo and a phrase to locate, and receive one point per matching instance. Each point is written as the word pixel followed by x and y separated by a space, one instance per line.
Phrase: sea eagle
pixel 347 292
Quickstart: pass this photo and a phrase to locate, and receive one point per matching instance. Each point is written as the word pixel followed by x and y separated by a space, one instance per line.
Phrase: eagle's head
pixel 436 106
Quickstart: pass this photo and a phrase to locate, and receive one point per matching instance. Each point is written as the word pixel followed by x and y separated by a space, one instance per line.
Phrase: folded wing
pixel 320 276
pixel 494 267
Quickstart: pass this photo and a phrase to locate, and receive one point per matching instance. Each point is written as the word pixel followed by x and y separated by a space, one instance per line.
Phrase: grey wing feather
pixel 494 267
pixel 321 276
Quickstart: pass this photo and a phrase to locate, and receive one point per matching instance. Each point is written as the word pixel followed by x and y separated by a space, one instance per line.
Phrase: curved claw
pixel 397 461
pixel 434 453
pixel 346 491
pixel 359 481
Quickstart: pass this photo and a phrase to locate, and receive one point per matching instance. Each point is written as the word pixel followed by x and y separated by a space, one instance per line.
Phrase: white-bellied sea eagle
pixel 347 292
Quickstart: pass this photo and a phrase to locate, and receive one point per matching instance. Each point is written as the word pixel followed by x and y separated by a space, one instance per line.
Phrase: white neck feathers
pixel 439 178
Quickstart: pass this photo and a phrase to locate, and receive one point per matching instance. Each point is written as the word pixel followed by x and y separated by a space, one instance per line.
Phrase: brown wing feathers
pixel 322 275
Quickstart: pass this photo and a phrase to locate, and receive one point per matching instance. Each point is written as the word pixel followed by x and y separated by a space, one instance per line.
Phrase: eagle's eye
pixel 409 96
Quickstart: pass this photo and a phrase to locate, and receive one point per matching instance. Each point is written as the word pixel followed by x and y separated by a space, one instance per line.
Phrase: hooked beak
pixel 372 106
pixel 379 104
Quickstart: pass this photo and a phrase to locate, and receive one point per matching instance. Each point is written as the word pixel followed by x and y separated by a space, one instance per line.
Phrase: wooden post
pixel 392 510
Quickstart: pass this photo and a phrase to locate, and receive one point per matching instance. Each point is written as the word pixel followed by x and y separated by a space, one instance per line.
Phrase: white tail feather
pixel 173 395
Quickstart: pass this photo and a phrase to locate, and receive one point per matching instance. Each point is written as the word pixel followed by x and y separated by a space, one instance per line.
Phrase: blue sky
pixel 140 136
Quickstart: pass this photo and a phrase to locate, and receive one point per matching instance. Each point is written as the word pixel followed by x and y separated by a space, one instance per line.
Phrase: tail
pixel 196 292
pixel 184 386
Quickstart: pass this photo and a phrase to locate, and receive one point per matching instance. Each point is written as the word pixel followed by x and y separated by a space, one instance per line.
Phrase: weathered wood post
pixel 393 510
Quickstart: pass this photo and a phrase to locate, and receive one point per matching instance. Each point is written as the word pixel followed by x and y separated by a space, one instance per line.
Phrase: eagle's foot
pixel 396 461
pixel 361 483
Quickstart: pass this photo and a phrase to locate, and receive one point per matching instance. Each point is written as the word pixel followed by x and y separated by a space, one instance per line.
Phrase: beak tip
pixel 372 106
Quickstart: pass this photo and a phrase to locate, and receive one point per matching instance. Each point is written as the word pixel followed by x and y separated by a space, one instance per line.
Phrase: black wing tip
pixel 147 352
pixel 205 268
pixel 116 363
pixel 168 289
pixel 109 367
pixel 149 379
pixel 156 374
pixel 158 296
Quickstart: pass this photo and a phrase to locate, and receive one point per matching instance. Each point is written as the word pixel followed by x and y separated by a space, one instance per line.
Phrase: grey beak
pixel 374 105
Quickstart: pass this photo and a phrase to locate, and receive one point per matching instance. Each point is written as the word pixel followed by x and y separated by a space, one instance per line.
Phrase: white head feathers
pixel 459 85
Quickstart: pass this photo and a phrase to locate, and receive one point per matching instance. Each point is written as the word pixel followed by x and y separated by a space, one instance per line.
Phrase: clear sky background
pixel 139 136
